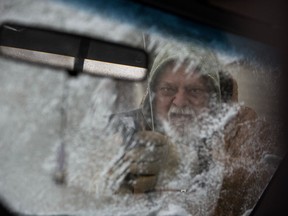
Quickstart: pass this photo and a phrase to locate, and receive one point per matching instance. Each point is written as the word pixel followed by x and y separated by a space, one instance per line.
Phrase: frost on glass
pixel 196 162
pixel 43 111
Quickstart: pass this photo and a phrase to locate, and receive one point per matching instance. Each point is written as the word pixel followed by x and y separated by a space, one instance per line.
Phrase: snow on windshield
pixel 87 132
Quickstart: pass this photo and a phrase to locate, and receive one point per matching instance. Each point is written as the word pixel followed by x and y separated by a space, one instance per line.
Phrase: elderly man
pixel 189 100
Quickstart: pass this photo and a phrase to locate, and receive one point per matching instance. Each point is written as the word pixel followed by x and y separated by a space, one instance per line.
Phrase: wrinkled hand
pixel 147 153
pixel 144 158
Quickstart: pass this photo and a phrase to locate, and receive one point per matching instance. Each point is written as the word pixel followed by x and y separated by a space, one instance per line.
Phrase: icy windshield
pixel 197 137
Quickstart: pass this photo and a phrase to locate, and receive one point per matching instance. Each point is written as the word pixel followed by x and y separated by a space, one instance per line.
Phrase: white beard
pixel 182 122
pixel 182 132
pixel 186 125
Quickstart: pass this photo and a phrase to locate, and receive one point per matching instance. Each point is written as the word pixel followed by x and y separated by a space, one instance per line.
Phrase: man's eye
pixel 195 91
pixel 167 90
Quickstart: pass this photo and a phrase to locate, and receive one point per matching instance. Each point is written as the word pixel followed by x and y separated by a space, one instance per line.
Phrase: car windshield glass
pixel 198 136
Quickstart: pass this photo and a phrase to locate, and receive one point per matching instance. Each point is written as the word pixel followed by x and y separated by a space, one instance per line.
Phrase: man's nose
pixel 180 99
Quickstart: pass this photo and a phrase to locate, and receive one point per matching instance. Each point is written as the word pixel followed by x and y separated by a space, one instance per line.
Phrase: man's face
pixel 180 95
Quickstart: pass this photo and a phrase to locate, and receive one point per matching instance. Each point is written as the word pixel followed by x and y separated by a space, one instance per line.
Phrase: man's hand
pixel 146 155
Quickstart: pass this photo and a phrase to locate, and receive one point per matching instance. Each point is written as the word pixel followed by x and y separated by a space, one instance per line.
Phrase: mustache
pixel 181 111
